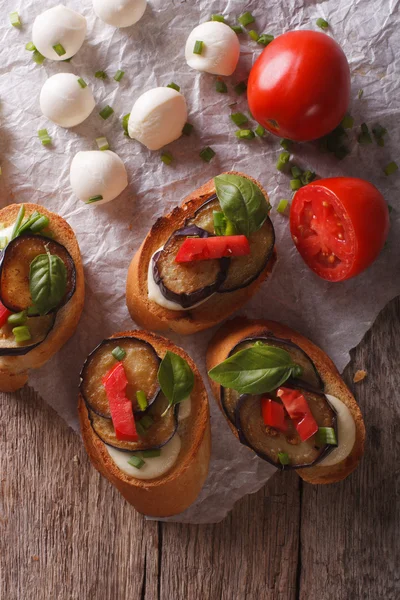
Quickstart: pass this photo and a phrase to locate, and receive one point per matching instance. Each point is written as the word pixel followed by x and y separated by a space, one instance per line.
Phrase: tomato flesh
pixel 299 411
pixel 121 409
pixel 4 314
pixel 212 247
pixel 274 414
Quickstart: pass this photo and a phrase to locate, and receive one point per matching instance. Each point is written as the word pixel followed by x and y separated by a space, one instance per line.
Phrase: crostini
pixel 205 259
pixel 42 289
pixel 284 398
pixel 144 417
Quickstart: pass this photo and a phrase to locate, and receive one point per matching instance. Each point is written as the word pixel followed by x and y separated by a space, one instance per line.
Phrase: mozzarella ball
pixel 64 101
pixel 59 25
pixel 220 52
pixel 158 117
pixel 98 173
pixel 120 13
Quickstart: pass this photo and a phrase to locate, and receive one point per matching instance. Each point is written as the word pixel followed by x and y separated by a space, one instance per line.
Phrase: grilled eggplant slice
pixel 39 328
pixel 15 263
pixel 141 366
pixel 268 442
pixel 187 283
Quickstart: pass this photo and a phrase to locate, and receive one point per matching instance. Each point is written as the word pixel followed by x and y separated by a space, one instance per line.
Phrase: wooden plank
pixel 350 531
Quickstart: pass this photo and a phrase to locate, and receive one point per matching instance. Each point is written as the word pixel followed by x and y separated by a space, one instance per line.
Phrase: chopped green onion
pixel 32 311
pixel 28 222
pixel 322 23
pixel 18 222
pixel 102 143
pixel 360 94
pixel 245 134
pixel 246 18
pixel 15 20
pixel 259 130
pixel 295 184
pixel 219 18
pixel 391 168
pixel 282 206
pixel 365 137
pixel 94 199
pixel 30 46
pixel 167 158
pixel 82 83
pixel 307 177
pixel 341 152
pixel 265 39
pixel 41 223
pixel 347 122
pixel 38 58
pixel 141 400
pixel 379 133
pixel 219 220
pixel 146 422
pixel 106 112
pixel 59 49
pixel 151 453
pixel 283 458
pixel 136 462
pixel 207 154
pixel 237 29
pixel 230 228
pixel 220 86
pixel 198 47
pixel 326 435
pixel 283 159
pixel 140 429
pixel 187 129
pixel 239 118
pixel 174 86
pixel 101 75
pixel 286 144
pixel 296 172
pixel 21 334
pixel 119 75
pixel 390 208
pixel 118 353
pixel 44 137
pixel 254 35
pixel 17 318
pixel 240 88
pixel 124 121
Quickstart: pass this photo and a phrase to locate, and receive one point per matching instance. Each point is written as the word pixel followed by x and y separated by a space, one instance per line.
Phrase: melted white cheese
pixel 6 232
pixel 185 408
pixel 346 433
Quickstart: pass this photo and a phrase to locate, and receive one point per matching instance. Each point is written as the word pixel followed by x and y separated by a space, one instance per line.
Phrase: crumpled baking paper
pixel 335 316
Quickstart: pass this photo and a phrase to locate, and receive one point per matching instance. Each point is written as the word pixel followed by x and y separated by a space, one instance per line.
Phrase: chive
pixel 174 86
pixel 239 118
pixel 240 88
pixel 282 206
pixel 106 112
pixel 187 129
pixel 390 208
pixel 219 18
pixel 254 35
pixel 101 75
pixel 230 228
pixel 347 122
pixel 296 172
pixel 136 462
pixel 38 58
pixel 21 334
pixel 18 221
pixel 146 422
pixel 94 199
pixel 17 318
pixel 119 75
pixel 341 152
pixel 265 39
pixel 220 86
pixel 391 168
pixel 322 23
pixel 207 154
pixel 44 137
pixel 246 18
pixel 283 159
pixel 141 400
pixel 307 177
pixel 15 20
pixel 379 133
pixel 32 311
pixel 29 222
pixel 102 143
pixel 360 94
pixel 326 435
pixel 237 29
pixel 59 49
pixel 284 458
pixel 259 130
pixel 118 353
pixel 295 184
pixel 365 137
pixel 124 121
pixel 245 134
pixel 39 224
pixel 82 83
pixel 198 47
pixel 167 158
pixel 219 221
pixel 140 429
pixel 30 46
pixel 151 453
pixel 286 144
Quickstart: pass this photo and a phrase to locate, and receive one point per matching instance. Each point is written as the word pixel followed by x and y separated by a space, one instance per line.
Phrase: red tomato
pixel 115 382
pixel 212 247
pixel 339 226
pixel 299 87
pixel 299 411
pixel 4 314
pixel 273 414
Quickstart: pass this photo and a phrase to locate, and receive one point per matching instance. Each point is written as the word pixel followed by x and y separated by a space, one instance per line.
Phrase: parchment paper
pixel 335 316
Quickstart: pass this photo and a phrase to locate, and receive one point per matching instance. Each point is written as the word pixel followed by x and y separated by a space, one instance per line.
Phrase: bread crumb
pixel 359 375
pixel 35 557
pixel 75 459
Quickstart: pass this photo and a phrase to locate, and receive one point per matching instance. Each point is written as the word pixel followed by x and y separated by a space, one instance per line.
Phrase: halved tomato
pixel 339 226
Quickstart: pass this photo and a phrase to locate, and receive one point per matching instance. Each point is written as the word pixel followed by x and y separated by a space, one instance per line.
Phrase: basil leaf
pixel 176 378
pixel 242 201
pixel 47 282
pixel 256 370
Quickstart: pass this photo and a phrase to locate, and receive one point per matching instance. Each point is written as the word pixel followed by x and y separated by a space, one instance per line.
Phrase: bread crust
pixel 234 331
pixel 14 369
pixel 178 489
pixel 150 315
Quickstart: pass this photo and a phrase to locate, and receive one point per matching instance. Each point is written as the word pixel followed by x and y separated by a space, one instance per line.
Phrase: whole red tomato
pixel 339 226
pixel 299 86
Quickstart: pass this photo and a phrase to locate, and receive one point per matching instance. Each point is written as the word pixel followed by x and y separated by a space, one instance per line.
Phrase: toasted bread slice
pixel 150 315
pixel 175 491
pixel 234 331
pixel 14 369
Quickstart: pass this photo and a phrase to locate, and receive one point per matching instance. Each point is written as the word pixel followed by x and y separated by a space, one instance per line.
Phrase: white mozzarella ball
pixel 220 52
pixel 59 25
pixel 64 101
pixel 120 13
pixel 158 117
pixel 98 173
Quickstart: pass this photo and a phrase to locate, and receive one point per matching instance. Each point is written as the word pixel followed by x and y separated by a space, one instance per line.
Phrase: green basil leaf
pixel 256 370
pixel 176 378
pixel 47 282
pixel 242 201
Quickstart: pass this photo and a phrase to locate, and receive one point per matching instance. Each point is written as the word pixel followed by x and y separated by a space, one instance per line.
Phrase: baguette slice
pixel 150 315
pixel 175 491
pixel 240 328
pixel 14 369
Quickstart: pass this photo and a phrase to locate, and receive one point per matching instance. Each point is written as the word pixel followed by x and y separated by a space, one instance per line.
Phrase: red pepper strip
pixel 115 383
pixel 273 414
pixel 212 247
pixel 4 314
pixel 299 411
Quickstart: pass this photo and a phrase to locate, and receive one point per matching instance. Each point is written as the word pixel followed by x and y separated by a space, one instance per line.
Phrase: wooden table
pixel 66 534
